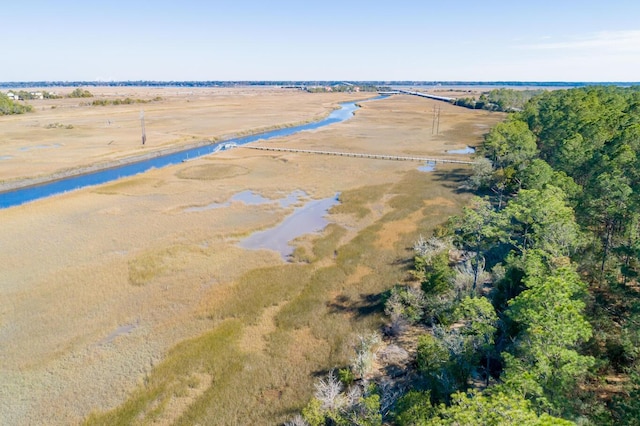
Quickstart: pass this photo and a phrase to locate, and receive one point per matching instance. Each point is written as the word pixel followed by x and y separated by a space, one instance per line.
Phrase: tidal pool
pixel 467 150
pixel 429 166
pixel 251 198
pixel 29 148
pixel 123 329
pixel 306 219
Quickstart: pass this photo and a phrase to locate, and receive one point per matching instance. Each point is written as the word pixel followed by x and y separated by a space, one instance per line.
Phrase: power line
pixel 144 134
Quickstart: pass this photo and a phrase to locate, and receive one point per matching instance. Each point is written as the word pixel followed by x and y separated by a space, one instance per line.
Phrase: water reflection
pixel 29 148
pixel 429 166
pixel 306 219
pixel 252 198
pixel 467 150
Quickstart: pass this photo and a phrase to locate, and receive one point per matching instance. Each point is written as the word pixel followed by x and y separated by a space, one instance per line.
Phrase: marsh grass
pixel 145 268
pixel 322 305
pixel 122 186
pixel 326 245
pixel 149 265
pixel 355 201
pixel 214 352
pixel 212 171
pixel 260 288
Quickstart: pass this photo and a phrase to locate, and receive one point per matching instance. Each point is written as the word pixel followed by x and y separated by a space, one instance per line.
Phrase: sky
pixel 424 40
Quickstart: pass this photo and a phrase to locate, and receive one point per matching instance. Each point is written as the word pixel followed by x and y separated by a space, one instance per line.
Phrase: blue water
pixel 29 148
pixel 250 198
pixel 467 150
pixel 429 166
pixel 24 195
pixel 309 218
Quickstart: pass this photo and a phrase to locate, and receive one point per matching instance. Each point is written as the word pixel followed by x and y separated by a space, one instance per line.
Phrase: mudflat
pixel 99 285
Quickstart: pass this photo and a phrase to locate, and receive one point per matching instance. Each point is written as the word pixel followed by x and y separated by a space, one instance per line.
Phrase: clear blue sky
pixel 464 40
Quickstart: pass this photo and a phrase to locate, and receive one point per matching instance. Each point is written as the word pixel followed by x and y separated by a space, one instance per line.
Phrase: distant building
pixel 13 96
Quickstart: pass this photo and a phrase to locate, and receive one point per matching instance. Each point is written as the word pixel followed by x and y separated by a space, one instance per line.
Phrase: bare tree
pixel 365 354
pixel 298 420
pixel 329 392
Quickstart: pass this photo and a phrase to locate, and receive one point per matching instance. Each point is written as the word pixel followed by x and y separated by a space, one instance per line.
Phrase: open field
pixel 118 293
pixel 69 133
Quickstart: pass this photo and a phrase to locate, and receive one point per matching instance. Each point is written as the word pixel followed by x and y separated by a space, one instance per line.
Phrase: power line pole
pixel 433 122
pixel 144 134
pixel 438 123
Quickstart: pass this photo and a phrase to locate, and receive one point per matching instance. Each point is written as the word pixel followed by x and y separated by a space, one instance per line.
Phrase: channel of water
pixel 24 195
pixel 305 219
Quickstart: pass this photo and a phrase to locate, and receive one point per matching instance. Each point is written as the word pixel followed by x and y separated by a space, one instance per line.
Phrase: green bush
pixel 80 93
pixel 8 106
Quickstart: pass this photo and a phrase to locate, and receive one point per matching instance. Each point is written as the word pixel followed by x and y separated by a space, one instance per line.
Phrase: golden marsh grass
pixel 81 267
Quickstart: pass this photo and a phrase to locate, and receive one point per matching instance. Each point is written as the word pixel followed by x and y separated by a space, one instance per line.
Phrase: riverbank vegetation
pixel 524 308
pixel 503 99
pixel 9 106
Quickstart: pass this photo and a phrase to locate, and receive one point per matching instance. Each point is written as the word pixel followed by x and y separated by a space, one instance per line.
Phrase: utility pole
pixel 438 123
pixel 144 134
pixel 433 122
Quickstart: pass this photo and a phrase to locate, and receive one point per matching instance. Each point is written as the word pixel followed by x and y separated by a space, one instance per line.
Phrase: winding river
pixel 24 195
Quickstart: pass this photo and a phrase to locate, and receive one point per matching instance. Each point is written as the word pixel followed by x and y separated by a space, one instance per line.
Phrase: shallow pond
pixel 251 198
pixel 467 150
pixel 306 219
pixel 429 166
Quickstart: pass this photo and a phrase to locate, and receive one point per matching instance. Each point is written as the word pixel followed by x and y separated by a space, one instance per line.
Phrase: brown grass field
pixel 118 306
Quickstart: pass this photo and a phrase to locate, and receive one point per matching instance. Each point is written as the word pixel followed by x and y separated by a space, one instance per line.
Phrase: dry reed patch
pixel 391 232
pixel 211 171
pixel 358 201
pixel 198 383
pixel 357 276
pixel 149 265
pixel 253 339
pixel 303 345
pixel 130 186
pixel 439 201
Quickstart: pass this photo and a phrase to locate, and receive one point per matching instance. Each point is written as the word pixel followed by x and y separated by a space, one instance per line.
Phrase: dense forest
pixel 528 303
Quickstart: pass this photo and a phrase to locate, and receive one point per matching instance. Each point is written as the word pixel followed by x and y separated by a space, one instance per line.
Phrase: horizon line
pixel 8 84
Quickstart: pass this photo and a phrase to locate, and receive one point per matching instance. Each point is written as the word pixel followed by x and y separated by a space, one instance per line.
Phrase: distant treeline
pixel 345 88
pixel 506 100
pixel 215 83
pixel 125 101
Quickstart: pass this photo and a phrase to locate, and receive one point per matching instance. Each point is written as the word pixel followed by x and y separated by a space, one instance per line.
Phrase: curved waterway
pixel 24 195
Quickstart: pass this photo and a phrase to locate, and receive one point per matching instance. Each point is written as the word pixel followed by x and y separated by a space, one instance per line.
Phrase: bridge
pixel 424 95
pixel 358 155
